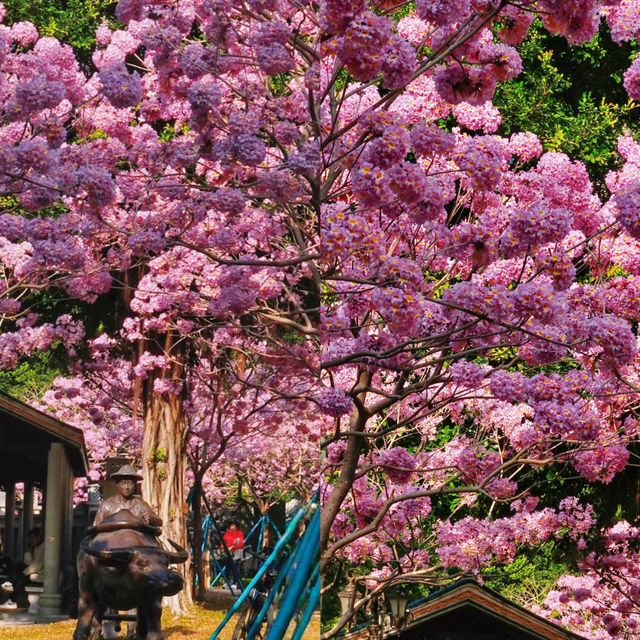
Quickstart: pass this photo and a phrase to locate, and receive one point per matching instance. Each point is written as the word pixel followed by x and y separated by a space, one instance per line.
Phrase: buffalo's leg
pixel 149 616
pixel 86 610
pixel 141 625
pixel 154 630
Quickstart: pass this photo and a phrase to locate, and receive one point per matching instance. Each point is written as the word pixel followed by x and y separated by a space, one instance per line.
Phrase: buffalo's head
pixel 147 565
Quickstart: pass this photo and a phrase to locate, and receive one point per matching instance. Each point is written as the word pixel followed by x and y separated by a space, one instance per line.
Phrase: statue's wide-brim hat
pixel 126 472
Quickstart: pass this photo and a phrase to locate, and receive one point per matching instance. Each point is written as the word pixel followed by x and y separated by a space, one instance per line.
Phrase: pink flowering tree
pixel 268 480
pixel 479 323
pixel 250 423
pixel 166 192
pixel 237 417
pixel 272 468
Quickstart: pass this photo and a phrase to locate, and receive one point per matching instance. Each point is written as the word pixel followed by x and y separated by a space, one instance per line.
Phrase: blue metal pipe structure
pixel 277 550
pixel 297 584
pixel 293 562
pixel 312 603
pixel 260 526
pixel 209 522
pixel 262 614
pixel 301 572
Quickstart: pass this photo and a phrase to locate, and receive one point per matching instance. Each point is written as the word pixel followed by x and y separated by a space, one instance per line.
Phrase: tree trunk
pixel 346 478
pixel 264 512
pixel 163 469
pixel 198 565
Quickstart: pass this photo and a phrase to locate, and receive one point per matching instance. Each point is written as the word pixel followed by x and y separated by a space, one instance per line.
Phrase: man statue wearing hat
pixel 126 479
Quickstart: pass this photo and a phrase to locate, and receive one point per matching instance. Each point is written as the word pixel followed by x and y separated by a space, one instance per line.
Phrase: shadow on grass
pixel 179 629
pixel 214 606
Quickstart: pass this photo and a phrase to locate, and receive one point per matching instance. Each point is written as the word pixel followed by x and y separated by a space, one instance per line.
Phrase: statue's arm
pixel 154 520
pixel 149 515
pixel 101 514
pixel 107 508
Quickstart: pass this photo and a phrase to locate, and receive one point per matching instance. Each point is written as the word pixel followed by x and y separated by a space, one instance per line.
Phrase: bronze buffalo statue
pixel 122 565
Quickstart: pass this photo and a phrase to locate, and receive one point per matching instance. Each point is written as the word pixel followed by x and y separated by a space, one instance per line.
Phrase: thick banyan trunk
pixel 163 469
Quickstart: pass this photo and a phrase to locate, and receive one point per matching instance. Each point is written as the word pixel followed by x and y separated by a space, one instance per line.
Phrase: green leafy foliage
pixel 571 97
pixel 530 577
pixel 73 22
pixel 279 84
pixel 30 379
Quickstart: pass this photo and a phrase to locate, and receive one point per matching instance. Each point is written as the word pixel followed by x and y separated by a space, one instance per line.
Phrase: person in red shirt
pixel 234 541
pixel 233 538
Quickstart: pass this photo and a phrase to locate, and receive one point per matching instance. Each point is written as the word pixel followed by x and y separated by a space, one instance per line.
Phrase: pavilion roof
pixel 466 610
pixel 25 436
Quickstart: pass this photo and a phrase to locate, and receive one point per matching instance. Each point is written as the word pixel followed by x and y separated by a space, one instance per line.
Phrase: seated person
pixel 34 557
pixel 234 538
pixel 6 567
pixel 31 571
pixel 126 479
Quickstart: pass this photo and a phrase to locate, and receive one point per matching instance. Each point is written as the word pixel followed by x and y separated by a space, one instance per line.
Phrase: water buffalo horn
pixel 180 556
pixel 110 555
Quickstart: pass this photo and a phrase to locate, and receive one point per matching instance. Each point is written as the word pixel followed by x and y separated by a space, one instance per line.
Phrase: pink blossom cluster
pixel 614 336
pixel 508 385
pixel 429 139
pixel 559 266
pixel 368 47
pixel 442 13
pixel 397 463
pixel 121 88
pixel 468 374
pixel 632 80
pixel 474 85
pixel 625 201
pixel 623 18
pixel 602 463
pixel 413 29
pixel 483 160
pixel 623 251
pixel 29 338
pixel 601 602
pixel 335 402
pixel 537 224
pixel 516 23
pixel 34 96
pixel 484 117
pixel 577 20
pixel 470 544
pixel 421 101
pixel 525 145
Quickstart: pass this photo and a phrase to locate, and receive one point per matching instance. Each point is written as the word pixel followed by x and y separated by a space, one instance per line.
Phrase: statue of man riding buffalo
pixel 122 565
